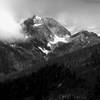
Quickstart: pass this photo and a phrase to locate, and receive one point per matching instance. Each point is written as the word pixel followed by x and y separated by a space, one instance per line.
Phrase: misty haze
pixel 75 15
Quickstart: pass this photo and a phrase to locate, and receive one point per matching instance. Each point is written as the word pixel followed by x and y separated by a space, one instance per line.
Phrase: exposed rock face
pixel 70 70
pixel 76 42
pixel 44 30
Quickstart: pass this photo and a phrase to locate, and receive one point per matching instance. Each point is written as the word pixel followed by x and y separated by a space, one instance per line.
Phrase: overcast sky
pixel 74 14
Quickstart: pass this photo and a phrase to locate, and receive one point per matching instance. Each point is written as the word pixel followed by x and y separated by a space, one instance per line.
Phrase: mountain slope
pixel 76 42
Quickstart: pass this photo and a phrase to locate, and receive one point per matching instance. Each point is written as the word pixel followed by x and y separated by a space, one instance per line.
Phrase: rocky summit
pixel 51 64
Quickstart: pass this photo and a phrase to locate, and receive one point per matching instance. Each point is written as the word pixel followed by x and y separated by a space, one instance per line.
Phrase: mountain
pixel 19 57
pixel 76 42
pixel 69 71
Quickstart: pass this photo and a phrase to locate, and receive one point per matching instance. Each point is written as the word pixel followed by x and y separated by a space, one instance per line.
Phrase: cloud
pixel 10 30
pixel 78 23
pixel 91 1
pixel 68 11
pixel 74 14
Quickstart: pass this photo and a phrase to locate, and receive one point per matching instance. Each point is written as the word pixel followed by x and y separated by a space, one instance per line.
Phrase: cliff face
pixel 70 70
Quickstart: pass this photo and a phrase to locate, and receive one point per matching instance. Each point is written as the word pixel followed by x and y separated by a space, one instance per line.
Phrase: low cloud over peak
pixel 91 1
pixel 74 14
